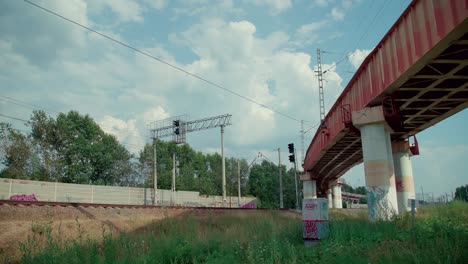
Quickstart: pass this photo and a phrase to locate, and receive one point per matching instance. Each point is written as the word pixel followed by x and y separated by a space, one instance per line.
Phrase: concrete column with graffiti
pixel 403 175
pixel 315 220
pixel 378 162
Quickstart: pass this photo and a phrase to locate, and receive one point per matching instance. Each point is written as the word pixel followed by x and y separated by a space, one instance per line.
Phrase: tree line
pixel 72 148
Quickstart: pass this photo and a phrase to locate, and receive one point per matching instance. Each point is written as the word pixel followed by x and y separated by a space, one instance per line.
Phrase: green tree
pixel 264 184
pixel 461 193
pixel 16 153
pixel 74 149
pixel 44 136
pixel 361 190
pixel 347 188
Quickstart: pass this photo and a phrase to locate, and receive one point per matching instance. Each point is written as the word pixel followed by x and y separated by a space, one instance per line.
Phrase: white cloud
pixel 357 57
pixel 155 114
pixel 308 34
pixel 337 14
pixel 156 4
pixel 322 3
pixel 207 9
pixel 42 31
pixel 311 27
pixel 275 6
pixel 232 55
pixel 125 10
pixel 126 132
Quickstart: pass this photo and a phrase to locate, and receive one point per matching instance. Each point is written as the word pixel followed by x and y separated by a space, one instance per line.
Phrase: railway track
pixel 96 205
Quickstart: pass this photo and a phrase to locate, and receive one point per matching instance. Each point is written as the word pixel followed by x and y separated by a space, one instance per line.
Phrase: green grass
pixel 440 235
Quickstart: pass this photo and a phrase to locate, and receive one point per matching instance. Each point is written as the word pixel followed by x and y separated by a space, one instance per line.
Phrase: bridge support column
pixel 330 199
pixel 378 162
pixel 310 189
pixel 336 194
pixel 403 175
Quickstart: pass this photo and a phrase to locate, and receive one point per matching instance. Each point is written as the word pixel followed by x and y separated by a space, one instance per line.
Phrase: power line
pixel 26 104
pixel 162 61
pixel 361 38
pixel 261 155
pixel 15 118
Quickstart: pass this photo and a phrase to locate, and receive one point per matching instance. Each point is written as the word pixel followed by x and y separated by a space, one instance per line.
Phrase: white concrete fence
pixel 83 193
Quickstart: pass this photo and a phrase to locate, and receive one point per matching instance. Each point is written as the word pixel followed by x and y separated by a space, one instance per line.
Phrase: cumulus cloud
pixel 357 57
pixel 125 10
pixel 337 14
pixel 155 114
pixel 275 6
pixel 156 4
pixel 322 3
pixel 124 90
pixel 204 8
pixel 126 132
pixel 308 34
pixel 41 31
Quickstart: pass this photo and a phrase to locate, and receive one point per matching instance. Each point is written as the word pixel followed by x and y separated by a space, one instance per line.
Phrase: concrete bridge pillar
pixel 403 175
pixel 378 162
pixel 336 194
pixel 330 199
pixel 310 189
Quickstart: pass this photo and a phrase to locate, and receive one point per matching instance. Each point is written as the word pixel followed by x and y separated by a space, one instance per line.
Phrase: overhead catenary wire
pixel 15 118
pixel 347 54
pixel 162 61
pixel 261 155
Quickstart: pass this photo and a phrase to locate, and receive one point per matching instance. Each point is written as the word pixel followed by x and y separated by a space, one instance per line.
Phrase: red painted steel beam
pixel 422 25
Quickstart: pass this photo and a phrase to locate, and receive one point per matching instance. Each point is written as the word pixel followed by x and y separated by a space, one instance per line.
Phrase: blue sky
pixel 262 49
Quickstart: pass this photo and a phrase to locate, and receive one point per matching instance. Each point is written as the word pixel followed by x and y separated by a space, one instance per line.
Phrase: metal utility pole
pixel 173 186
pixel 296 183
pixel 223 167
pixel 155 172
pixel 280 178
pixel 422 193
pixel 238 184
pixel 320 86
pixel 302 143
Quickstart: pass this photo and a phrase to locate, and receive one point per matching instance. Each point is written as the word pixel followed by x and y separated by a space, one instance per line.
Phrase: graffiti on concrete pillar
pixel 315 229
pixel 310 229
pixel 378 206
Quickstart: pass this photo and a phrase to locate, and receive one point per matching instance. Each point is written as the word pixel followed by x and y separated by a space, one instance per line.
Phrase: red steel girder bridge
pixel 418 73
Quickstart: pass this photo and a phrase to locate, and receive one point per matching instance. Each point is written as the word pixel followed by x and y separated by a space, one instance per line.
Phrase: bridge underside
pixel 431 90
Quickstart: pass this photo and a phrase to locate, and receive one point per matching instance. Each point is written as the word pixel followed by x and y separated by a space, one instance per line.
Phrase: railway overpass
pixel 415 77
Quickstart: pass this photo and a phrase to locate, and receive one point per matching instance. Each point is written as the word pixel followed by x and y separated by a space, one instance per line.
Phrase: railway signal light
pixel 176 123
pixel 291 147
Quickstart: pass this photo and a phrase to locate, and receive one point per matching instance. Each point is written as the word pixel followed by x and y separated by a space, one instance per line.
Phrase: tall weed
pixel 440 235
